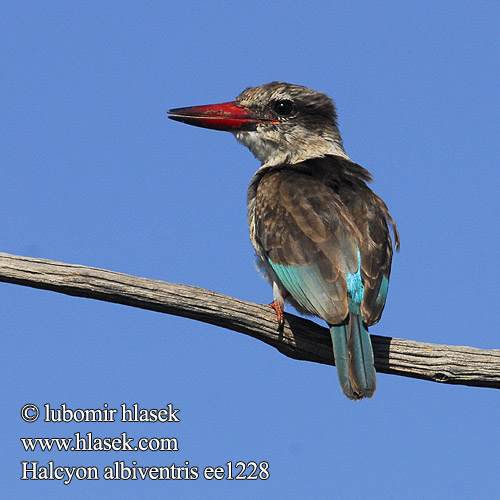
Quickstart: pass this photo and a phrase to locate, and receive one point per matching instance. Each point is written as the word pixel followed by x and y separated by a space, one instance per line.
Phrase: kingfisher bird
pixel 320 233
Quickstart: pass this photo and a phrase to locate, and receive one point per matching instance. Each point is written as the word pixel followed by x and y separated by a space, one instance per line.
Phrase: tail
pixel 353 352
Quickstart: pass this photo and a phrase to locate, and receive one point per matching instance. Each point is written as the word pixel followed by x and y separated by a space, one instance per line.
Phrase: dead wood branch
pixel 300 338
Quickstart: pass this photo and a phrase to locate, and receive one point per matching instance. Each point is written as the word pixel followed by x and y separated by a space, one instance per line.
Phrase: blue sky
pixel 94 173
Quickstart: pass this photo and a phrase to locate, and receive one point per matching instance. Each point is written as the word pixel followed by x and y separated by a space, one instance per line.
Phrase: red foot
pixel 279 312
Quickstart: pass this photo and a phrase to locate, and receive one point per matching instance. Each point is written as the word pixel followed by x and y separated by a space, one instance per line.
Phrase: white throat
pixel 288 150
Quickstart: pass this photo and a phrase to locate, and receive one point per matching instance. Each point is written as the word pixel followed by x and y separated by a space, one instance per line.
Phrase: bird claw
pixel 280 310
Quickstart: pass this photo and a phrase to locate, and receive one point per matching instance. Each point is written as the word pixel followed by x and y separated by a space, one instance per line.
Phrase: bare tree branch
pixel 300 338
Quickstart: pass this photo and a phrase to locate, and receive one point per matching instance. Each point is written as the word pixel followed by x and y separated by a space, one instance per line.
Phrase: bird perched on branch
pixel 320 233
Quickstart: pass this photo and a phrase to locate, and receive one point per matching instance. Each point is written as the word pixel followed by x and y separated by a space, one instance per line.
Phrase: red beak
pixel 226 116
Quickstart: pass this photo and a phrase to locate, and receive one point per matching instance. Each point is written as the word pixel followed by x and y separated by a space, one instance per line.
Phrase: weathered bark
pixel 299 339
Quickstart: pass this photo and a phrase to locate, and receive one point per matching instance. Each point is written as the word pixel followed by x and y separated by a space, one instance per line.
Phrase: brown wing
pixel 304 232
pixel 371 216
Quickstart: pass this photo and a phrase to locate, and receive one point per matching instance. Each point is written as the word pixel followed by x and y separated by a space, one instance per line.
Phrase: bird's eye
pixel 283 108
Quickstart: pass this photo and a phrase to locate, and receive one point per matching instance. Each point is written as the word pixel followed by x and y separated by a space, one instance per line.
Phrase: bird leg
pixel 279 312
pixel 278 304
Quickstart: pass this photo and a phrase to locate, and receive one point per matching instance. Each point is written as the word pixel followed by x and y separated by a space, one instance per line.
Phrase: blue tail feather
pixel 339 341
pixel 353 353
